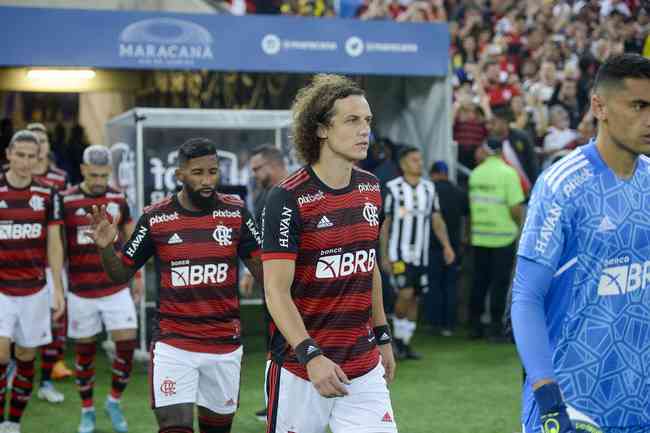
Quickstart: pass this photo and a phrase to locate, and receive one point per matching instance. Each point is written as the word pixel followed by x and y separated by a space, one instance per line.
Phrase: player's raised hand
pixel 388 361
pixel 58 304
pixel 327 377
pixel 103 229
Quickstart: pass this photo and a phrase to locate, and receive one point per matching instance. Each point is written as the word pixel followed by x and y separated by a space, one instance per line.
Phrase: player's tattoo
pixel 115 269
pixel 254 265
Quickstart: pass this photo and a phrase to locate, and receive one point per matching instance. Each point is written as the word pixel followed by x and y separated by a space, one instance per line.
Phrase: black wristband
pixel 307 350
pixel 382 334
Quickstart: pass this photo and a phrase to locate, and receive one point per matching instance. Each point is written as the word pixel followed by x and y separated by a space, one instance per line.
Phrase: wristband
pixel 549 398
pixel 382 333
pixel 307 350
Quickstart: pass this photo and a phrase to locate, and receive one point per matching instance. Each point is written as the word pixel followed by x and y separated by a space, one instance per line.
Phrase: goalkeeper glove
pixel 553 412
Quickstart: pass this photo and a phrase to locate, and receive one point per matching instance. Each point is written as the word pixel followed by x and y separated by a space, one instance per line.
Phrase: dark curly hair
pixel 313 107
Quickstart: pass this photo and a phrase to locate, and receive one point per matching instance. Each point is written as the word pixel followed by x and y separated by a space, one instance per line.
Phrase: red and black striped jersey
pixel 333 237
pixel 196 256
pixel 25 214
pixel 86 274
pixel 54 177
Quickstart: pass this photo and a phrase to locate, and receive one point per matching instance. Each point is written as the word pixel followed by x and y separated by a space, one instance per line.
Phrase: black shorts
pixel 408 276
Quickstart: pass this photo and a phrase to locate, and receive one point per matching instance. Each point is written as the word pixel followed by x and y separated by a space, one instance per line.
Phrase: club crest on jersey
pixel 37 203
pixel 370 214
pixel 223 235
pixel 168 387
pixel 80 212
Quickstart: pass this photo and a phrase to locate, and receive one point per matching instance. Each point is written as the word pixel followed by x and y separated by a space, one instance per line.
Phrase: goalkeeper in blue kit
pixel 581 294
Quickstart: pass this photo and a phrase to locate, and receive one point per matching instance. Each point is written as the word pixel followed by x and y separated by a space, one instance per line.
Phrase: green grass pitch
pixel 459 386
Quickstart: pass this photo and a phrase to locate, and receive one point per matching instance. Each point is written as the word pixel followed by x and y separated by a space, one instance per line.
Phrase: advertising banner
pixel 256 43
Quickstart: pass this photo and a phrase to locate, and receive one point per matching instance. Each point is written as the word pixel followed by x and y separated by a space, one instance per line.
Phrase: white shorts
pixel 26 319
pixel 209 380
pixel 86 315
pixel 296 406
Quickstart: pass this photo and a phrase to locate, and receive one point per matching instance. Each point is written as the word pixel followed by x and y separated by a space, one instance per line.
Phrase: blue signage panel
pixel 256 43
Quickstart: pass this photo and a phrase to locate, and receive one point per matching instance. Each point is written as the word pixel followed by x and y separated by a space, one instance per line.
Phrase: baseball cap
pixel 440 167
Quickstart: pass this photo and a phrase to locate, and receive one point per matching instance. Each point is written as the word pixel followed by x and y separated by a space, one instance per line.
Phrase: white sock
pixel 409 329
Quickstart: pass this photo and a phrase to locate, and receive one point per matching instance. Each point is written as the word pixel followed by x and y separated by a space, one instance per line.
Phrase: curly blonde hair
pixel 314 107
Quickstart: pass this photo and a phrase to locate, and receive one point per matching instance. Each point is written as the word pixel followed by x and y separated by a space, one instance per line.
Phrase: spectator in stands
pixel 470 126
pixel 496 85
pixel 307 8
pixel 566 96
pixel 440 300
pixel 517 149
pixel 547 80
pixel 560 135
pixel 380 10
pixel 424 11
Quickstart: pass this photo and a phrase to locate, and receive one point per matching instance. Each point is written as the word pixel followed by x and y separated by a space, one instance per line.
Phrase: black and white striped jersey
pixel 410 208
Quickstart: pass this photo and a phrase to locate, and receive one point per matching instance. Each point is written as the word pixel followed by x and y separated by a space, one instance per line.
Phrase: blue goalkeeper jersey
pixel 592 229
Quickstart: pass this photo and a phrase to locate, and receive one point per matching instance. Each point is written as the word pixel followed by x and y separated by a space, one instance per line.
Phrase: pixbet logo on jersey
pixel 342 265
pixel 623 277
pixel 368 187
pixel 163 218
pixel 184 274
pixel 310 198
pixel 10 231
pixel 222 213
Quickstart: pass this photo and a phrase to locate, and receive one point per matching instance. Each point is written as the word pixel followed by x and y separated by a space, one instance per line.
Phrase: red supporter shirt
pixel 333 237
pixel 470 134
pixel 196 255
pixel 25 215
pixel 54 178
pixel 85 271
pixel 501 94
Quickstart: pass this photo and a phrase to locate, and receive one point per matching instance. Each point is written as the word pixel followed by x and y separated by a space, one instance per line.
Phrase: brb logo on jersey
pixel 623 276
pixel 342 265
pixel 370 214
pixel 184 274
pixel 10 231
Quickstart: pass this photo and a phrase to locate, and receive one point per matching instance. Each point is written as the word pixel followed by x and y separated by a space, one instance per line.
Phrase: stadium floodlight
pixel 48 74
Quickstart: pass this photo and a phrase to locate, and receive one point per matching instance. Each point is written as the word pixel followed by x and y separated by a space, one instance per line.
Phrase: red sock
pixel 22 389
pixel 3 390
pixel 176 429
pixel 49 355
pixel 85 371
pixel 215 423
pixel 122 365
